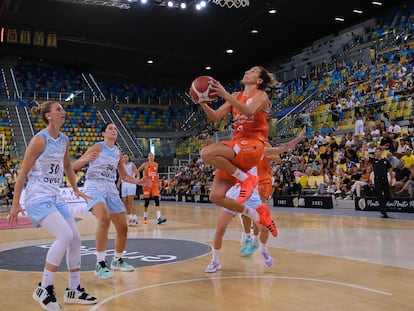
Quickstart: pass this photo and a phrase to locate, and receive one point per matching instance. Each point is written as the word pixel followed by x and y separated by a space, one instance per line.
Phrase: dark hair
pixel 105 126
pixel 269 79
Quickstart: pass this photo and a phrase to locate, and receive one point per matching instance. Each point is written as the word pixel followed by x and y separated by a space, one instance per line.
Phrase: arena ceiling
pixel 121 36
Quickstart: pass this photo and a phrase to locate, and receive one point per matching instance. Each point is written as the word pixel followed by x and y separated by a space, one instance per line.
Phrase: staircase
pixel 93 86
pixel 11 89
pixel 22 127
pixel 125 141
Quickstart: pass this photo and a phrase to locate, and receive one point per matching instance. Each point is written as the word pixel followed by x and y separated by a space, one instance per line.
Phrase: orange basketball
pixel 200 89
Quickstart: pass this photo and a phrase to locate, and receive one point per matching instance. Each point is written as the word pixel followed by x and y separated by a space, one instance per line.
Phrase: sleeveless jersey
pixel 46 175
pixel 151 172
pixel 105 166
pixel 255 126
pixel 130 170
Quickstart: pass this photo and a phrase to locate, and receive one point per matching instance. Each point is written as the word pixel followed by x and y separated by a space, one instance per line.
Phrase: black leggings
pixel 156 200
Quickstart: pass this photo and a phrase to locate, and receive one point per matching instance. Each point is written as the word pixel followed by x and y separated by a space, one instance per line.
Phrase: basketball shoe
pixel 145 221
pixel 161 220
pixel 46 298
pixel 267 258
pixel 102 271
pixel 79 296
pixel 265 219
pixel 246 187
pixel 120 265
pixel 213 267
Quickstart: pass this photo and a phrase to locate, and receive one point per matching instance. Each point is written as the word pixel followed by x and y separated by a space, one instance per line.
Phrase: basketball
pixel 200 89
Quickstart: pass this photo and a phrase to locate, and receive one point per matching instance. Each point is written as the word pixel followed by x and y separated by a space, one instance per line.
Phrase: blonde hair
pixel 44 108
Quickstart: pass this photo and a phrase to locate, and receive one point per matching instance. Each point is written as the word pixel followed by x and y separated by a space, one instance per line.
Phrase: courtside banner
pixel 393 205
pixel 285 201
pixel 66 193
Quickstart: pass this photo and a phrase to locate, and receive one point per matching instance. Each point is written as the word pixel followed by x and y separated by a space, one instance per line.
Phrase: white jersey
pixel 46 175
pixel 105 166
pixel 129 168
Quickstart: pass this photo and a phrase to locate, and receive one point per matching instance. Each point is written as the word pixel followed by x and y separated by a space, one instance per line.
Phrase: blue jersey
pixel 46 175
pixel 105 166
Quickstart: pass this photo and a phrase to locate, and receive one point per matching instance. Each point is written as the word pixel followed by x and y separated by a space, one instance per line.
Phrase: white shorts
pixel 128 189
pixel 253 202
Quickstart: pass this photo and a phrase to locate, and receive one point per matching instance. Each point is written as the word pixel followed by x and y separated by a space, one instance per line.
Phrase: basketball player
pixel 45 160
pixel 265 190
pixel 234 159
pixel 129 190
pixel 150 169
pixel 250 244
pixel 106 205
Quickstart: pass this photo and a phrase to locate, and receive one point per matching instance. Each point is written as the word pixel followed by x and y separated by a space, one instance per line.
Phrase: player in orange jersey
pixel 237 160
pixel 265 190
pixel 150 170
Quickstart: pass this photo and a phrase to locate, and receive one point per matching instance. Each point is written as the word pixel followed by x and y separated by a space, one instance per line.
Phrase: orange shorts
pixel 265 188
pixel 149 192
pixel 249 152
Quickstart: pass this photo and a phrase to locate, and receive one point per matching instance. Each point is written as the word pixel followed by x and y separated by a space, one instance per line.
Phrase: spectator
pixel 402 175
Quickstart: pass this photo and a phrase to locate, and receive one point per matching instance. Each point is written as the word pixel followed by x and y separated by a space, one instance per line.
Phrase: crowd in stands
pixel 357 107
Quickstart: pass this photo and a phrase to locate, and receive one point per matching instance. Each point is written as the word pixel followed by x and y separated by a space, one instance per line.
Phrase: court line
pixel 102 302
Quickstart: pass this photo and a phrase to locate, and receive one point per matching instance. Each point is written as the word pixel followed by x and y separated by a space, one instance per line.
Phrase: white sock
pixel 117 256
pixel 100 256
pixel 47 278
pixel 216 254
pixel 250 212
pixel 145 215
pixel 158 214
pixel 239 175
pixel 262 247
pixel 74 280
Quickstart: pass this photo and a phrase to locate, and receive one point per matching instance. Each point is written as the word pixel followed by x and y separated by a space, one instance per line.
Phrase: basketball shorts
pixel 128 189
pixel 265 188
pixel 248 151
pixel 152 191
pixel 40 208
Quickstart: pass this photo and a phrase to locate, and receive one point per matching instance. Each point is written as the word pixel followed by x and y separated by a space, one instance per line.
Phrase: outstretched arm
pixel 275 151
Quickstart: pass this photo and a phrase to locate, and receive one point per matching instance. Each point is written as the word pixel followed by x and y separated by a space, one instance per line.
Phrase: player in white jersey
pixel 106 205
pixel 45 160
pixel 128 190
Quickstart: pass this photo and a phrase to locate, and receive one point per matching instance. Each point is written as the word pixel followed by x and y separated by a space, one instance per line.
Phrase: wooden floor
pixel 324 261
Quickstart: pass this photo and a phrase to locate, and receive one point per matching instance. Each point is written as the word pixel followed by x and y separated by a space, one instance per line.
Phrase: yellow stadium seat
pixel 303 181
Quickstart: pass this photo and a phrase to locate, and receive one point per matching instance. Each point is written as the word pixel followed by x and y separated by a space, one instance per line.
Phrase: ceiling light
pixel 150 61
pixel 229 51
pixel 254 31
pixel 183 5
pixel 272 11
pixel 339 19
pixel 357 11
pixel 376 3
pixel 208 68
pixel 170 4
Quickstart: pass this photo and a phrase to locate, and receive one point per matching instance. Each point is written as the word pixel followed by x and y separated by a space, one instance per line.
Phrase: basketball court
pixel 338 259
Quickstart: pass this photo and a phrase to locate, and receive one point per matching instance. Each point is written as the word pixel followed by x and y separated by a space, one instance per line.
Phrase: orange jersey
pixel 151 173
pixel 254 126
